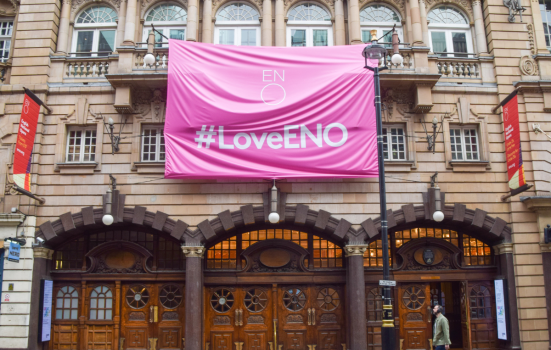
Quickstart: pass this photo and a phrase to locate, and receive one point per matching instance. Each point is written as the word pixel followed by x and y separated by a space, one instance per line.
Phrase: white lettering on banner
pixel 274 140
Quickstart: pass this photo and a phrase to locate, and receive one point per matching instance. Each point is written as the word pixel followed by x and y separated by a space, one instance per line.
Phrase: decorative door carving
pixel 415 316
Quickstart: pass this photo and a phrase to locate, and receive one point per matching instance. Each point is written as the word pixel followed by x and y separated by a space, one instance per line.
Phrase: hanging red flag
pixel 22 157
pixel 513 151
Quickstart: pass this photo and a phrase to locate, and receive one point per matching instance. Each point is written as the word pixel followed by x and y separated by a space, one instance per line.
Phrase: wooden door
pixel 482 316
pixel 415 316
pixel 328 317
pixel 171 316
pixel 256 317
pixel 295 317
pixel 374 296
pixel 65 317
pixel 465 316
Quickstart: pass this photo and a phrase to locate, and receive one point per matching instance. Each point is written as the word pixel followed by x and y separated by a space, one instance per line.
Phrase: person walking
pixel 441 331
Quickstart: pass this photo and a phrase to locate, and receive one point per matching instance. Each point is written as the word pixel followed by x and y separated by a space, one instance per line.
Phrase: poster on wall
pixel 14 252
pixel 269 112
pixel 45 324
pixel 501 311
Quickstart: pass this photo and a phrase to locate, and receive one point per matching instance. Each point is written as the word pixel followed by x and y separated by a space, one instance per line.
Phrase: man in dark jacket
pixel 441 332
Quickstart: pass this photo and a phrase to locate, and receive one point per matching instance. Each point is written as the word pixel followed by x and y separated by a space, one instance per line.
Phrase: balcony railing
pixel 407 63
pixel 458 68
pixel 95 67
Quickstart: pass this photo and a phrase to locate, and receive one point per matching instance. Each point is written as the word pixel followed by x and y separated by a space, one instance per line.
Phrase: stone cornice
pixel 537 203
pixel 355 250
pixel 503 248
pixel 11 219
pixel 43 253
pixel 193 251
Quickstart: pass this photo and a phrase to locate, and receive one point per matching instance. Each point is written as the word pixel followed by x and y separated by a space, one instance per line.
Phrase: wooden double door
pixel 274 317
pixel 152 316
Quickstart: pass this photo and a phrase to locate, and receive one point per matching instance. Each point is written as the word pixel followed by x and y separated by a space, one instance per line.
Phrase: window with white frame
pixel 545 9
pixel 450 32
pixel 81 145
pixel 153 144
pixel 168 19
pixel 394 143
pixel 383 19
pixel 237 24
pixel 309 25
pixel 6 30
pixel 464 144
pixel 95 32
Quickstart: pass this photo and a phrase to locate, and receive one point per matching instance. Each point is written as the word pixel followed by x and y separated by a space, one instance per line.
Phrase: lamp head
pixel 438 216
pixel 434 121
pixel 111 121
pixel 273 217
pixel 397 59
pixel 149 59
pixel 107 219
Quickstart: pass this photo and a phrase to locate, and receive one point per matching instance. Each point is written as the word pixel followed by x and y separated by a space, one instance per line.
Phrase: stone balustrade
pixel 96 67
pixel 161 59
pixel 458 68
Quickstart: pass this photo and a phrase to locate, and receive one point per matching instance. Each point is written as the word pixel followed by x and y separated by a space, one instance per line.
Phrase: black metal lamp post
pixel 376 51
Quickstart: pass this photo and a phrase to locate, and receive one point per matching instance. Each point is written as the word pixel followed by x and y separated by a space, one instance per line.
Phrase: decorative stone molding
pixel 193 251
pixel 79 4
pixel 217 4
pixel 503 248
pixel 43 253
pixel 355 250
pixel 463 4
pixel 400 5
pixel 528 66
pixel 148 4
pixel 329 4
pixel 531 40
pixel 7 10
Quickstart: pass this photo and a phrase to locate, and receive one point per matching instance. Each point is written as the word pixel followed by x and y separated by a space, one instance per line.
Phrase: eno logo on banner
pixel 293 136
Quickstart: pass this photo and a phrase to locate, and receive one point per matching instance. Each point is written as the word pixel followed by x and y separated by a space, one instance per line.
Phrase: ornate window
pixel 545 9
pixel 404 236
pixel 223 255
pixel 394 143
pixel 373 256
pixel 414 298
pixel 95 32
pixel 475 252
pixel 481 302
pixel 237 24
pixel 171 296
pixel 326 254
pixel 222 300
pixel 81 145
pixel 328 299
pixel 101 303
pixel 137 296
pixel 383 19
pixel 464 144
pixel 255 300
pixel 294 299
pixel 6 31
pixel 66 307
pixel 153 144
pixel 449 31
pixel 168 19
pixel 309 25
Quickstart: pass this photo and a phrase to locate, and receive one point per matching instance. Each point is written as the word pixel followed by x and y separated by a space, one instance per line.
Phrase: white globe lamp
pixel 397 59
pixel 273 218
pixel 107 219
pixel 438 216
pixel 149 59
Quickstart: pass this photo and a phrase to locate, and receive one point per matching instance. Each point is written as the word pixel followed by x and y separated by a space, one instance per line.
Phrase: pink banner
pixel 269 112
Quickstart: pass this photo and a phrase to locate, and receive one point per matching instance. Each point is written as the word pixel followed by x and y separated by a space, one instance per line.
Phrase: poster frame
pixel 45 336
pixel 505 306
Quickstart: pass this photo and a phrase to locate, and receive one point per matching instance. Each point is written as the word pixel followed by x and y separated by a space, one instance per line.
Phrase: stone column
pixel 120 25
pixel 424 24
pixel 194 296
pixel 267 23
pixel 481 45
pixel 408 36
pixel 63 34
pixel 192 20
pixel 207 21
pixel 354 22
pixel 504 252
pixel 42 260
pixel 539 34
pixel 280 23
pixel 340 36
pixel 416 29
pixel 355 285
pixel 130 25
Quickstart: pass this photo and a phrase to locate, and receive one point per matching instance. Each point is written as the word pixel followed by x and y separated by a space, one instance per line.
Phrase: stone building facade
pixel 311 280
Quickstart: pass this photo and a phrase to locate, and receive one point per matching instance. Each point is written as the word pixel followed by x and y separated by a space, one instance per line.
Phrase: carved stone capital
pixel 503 248
pixel 193 251
pixel 353 250
pixel 43 253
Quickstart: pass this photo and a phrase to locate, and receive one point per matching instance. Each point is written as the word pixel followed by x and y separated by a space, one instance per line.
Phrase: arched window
pixel 237 24
pixel 382 18
pixel 66 307
pixel 309 25
pixel 95 32
pixel 481 302
pixel 101 303
pixel 168 19
pixel 449 32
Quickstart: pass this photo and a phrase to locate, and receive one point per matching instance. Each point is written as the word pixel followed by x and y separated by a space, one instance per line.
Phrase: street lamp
pixel 378 51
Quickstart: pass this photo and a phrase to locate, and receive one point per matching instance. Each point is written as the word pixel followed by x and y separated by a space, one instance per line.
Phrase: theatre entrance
pixel 268 317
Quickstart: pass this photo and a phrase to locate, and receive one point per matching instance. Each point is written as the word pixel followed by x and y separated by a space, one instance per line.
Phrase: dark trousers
pixel 440 347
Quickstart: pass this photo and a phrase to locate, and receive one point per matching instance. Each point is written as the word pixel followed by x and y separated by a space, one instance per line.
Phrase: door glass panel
pixel 226 36
pixel 248 37
pixel 179 34
pixel 58 314
pixel 84 43
pixel 459 43
pixel 320 37
pixel 106 43
pixel 74 314
pixel 439 43
pixel 298 37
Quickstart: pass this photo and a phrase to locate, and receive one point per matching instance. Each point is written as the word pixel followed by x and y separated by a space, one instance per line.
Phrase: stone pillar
pixel 42 260
pixel 280 23
pixel 192 20
pixel 340 36
pixel 541 47
pixel 417 31
pixel 63 34
pixel 207 21
pixel 546 261
pixel 267 23
pixel 424 24
pixel 120 25
pixel 355 285
pixel 130 24
pixel 504 252
pixel 408 36
pixel 481 45
pixel 354 22
pixel 194 296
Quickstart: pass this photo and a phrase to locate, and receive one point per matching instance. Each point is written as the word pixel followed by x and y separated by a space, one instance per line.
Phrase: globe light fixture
pixel 438 216
pixel 107 219
pixel 396 59
pixel 274 216
pixel 149 59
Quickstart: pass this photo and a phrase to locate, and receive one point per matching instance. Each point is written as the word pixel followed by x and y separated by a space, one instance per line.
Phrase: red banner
pixel 513 152
pixel 25 141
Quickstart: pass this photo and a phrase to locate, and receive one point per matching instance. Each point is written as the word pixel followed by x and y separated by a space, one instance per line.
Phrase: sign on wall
pixel 45 323
pixel 22 157
pixel 14 252
pixel 269 112
pixel 513 151
pixel 501 311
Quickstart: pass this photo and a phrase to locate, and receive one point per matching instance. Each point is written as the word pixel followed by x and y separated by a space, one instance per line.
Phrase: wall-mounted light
pixel 547 234
pixel 274 216
pixel 107 218
pixel 431 139
pixel 437 215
